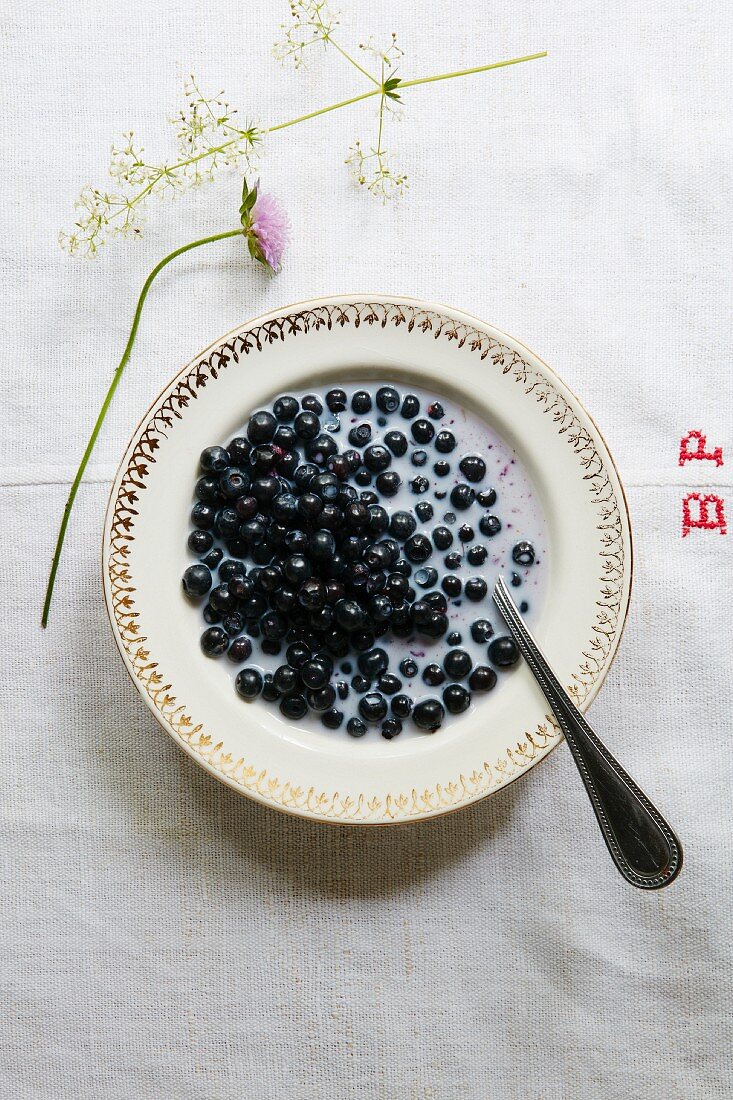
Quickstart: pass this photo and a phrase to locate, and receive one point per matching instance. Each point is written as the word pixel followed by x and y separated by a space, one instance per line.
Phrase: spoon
pixel 642 845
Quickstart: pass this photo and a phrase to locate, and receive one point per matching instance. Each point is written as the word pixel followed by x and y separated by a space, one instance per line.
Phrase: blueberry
pixel 360 683
pixel 503 652
pixel 285 437
pixel 297 568
pixel 265 489
pixel 373 706
pixel 226 523
pixel 397 443
pixel 422 431
pixel 214 460
pixel 482 678
pixel 307 425
pixel 349 614
pixel 388 400
pixel 316 673
pixel 373 663
pixel 203 515
pixel 388 483
pixel 210 615
pixel 462 496
pixel 466 533
pixel 214 641
pixel 424 510
pixel 477 555
pixel 246 507
pixel 402 525
pixel 249 683
pixel 523 553
pixel 343 689
pixel 221 599
pixel 233 624
pixel 240 587
pixel 360 435
pixel 380 609
pixel 261 427
pixel 489 525
pixel 428 715
pixel 402 567
pixel 433 675
pixel 419 485
pixel 456 699
pixel 361 402
pixel 481 630
pixel 321 545
pixel 453 560
pixel 452 586
pixel 442 538
pixel 336 400
pixel 408 668
pixel 418 548
pixel 401 706
pixel 524 607
pixel 377 458
pixel 285 508
pixel 196 581
pixel 339 466
pixel 240 650
pixel 389 684
pixel 286 679
pixel 427 577
pixel 199 542
pixel 436 626
pixel 321 699
pixel 207 488
pixel 515 582
pixel 419 458
pixel 391 728
pixel 312 404
pixel 321 449
pixel 472 467
pixel 435 411
pixel 449 517
pixel 262 458
pixel 457 664
pixel 312 594
pixel 454 638
pixel 303 474
pixel 487 498
pixel 355 727
pixel 332 718
pixel 239 450
pixel 293 706
pixel 269 691
pixel 410 407
pixel 475 589
pixel 285 408
pixel 442 469
pixel 445 442
pixel 310 506
pixel 297 653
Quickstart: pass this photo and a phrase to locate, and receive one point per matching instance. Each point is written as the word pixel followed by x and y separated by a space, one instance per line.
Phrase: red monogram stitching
pixel 703 520
pixel 686 455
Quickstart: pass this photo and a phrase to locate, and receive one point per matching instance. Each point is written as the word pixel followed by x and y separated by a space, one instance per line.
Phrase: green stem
pixel 353 61
pixel 322 111
pixel 469 72
pixel 108 400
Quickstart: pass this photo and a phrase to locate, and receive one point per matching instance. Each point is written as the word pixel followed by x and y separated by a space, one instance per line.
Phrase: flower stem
pixel 323 111
pixel 353 60
pixel 469 72
pixel 108 400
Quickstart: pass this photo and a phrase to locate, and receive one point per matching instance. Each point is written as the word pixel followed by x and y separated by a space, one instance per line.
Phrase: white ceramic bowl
pixel 326 775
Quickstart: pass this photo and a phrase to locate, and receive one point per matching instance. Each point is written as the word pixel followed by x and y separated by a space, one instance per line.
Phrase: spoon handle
pixel 642 844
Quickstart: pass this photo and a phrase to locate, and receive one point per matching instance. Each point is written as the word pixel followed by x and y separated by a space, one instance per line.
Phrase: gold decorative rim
pixel 145 670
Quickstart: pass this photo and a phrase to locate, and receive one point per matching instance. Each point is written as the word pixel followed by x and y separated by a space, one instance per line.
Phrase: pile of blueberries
pixel 319 568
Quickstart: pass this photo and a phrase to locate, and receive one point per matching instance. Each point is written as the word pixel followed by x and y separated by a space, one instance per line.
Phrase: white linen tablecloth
pixel 159 935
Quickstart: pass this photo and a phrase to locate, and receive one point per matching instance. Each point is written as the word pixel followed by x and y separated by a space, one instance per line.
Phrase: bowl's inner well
pixel 471 539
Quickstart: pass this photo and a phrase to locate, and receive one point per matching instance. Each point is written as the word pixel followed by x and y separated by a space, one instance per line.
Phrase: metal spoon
pixel 642 845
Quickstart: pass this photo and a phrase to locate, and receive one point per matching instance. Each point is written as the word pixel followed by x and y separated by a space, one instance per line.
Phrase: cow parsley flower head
pixel 266 226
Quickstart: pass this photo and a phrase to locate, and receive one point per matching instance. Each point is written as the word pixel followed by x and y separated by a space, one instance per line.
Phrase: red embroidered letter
pixel 705 503
pixel 686 455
